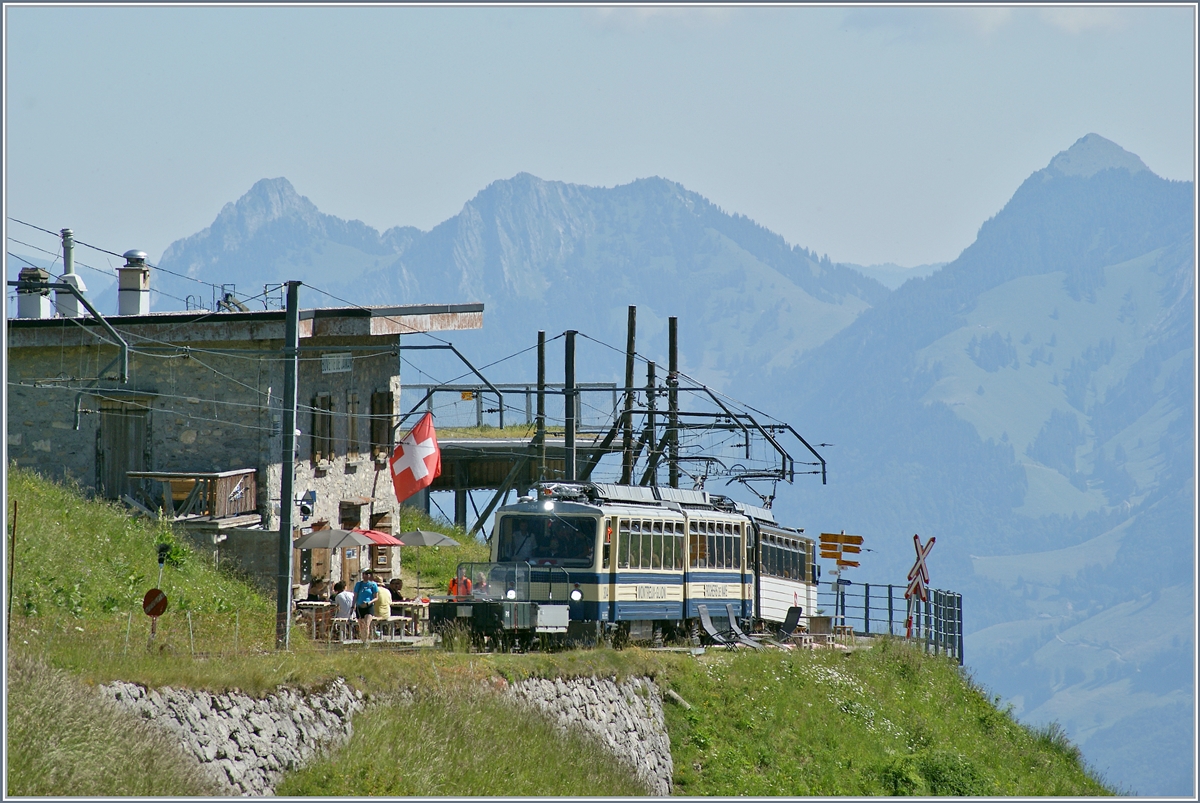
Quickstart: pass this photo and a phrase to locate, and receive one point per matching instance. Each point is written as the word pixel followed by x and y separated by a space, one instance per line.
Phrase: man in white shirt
pixel 345 602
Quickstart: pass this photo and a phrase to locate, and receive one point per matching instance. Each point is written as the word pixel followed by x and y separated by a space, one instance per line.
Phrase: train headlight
pixel 547 506
pixel 576 595
pixel 510 594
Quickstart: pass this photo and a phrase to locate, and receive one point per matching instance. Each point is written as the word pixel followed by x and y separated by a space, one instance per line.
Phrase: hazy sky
pixel 871 134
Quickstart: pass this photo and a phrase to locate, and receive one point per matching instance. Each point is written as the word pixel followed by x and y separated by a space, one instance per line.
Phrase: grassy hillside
pixel 880 721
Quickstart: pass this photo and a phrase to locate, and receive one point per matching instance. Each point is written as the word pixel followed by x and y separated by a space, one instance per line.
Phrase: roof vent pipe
pixel 68 304
pixel 133 285
pixel 33 303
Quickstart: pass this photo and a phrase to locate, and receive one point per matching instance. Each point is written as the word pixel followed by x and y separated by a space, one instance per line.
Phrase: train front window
pixel 555 540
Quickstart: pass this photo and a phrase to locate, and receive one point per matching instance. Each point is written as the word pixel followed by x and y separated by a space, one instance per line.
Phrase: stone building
pixel 195 431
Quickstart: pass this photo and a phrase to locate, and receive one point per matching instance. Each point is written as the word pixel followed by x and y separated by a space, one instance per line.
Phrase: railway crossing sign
pixel 835 545
pixel 918 575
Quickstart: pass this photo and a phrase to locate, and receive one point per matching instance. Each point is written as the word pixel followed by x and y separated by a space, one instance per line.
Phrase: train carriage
pixel 640 560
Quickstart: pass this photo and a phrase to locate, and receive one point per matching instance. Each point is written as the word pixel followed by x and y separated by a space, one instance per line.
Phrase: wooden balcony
pixel 229 497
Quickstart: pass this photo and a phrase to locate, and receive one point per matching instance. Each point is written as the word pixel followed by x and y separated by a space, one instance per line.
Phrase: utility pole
pixel 627 422
pixel 291 354
pixel 673 401
pixel 569 403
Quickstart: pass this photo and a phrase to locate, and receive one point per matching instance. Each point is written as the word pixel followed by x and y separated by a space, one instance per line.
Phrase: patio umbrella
pixel 419 538
pixel 331 539
pixel 379 538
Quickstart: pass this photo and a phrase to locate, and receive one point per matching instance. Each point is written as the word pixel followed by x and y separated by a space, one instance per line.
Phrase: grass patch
pixel 883 721
pixel 63 739
pixel 462 744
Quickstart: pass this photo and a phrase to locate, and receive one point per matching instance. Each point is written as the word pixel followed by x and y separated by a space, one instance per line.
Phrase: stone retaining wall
pixel 245 744
pixel 627 718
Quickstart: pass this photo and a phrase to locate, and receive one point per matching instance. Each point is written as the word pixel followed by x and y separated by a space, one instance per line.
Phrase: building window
pixel 352 425
pixel 381 423
pixel 322 428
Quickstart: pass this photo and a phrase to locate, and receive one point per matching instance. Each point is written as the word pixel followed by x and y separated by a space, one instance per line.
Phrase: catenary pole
pixel 291 354
pixel 569 403
pixel 627 420
pixel 673 401
pixel 541 404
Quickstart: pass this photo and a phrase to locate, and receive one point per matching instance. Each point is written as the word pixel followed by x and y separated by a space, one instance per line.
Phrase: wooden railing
pixel 184 494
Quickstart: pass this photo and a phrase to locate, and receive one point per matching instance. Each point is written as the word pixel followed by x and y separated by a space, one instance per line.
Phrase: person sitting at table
pixel 365 592
pixel 383 604
pixel 396 586
pixel 318 590
pixel 344 600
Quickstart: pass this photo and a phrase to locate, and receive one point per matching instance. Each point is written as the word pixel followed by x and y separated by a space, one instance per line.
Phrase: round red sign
pixel 154 603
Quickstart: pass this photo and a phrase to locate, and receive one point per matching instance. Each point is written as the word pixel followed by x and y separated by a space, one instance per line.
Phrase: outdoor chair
pixel 737 631
pixel 710 634
pixel 790 623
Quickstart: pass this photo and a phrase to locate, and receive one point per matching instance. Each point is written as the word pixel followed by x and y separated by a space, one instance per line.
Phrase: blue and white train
pixel 636 562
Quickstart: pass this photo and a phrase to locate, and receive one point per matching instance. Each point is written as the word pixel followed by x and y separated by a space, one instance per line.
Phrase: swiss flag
pixel 417 460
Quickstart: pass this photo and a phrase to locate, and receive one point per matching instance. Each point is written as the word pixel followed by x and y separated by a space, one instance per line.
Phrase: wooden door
pixel 122 446
pixel 351 556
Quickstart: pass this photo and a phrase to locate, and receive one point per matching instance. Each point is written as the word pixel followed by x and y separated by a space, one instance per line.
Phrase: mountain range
pixel 1030 403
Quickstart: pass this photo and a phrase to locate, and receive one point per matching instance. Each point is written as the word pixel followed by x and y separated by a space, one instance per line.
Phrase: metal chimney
pixel 33 303
pixel 68 304
pixel 133 285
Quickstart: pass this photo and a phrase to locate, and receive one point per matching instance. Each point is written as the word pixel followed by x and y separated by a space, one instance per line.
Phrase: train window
pixel 713 559
pixel 637 526
pixel 735 549
pixel 656 548
pixel 623 541
pixel 801 567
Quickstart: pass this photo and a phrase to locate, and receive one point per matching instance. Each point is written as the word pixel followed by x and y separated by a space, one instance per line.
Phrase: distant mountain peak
pixel 1093 153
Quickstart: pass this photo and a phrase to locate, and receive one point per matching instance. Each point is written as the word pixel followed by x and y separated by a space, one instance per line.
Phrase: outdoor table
pixel 419 611
pixel 313 611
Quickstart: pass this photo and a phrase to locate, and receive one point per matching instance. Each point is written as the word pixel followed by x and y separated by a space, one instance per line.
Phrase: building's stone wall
pixel 214 401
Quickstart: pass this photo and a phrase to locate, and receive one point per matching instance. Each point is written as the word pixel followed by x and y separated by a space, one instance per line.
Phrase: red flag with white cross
pixel 417 461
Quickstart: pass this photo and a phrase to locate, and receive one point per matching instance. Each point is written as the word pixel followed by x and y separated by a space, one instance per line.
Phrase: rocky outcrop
pixel 243 743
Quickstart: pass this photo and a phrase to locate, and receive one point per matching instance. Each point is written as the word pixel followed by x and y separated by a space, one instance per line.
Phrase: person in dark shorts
pixel 365 592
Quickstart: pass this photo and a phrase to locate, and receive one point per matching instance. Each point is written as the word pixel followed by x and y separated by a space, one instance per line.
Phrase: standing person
pixel 365 592
pixel 345 603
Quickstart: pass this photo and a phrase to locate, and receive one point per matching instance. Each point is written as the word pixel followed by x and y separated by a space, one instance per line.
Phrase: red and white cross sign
pixel 918 575
pixel 417 460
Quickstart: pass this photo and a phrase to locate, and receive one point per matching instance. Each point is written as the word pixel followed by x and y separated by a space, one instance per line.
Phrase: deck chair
pixel 710 634
pixel 790 623
pixel 737 632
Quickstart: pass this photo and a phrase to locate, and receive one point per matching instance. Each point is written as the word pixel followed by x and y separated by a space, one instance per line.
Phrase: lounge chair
pixel 790 623
pixel 737 632
pixel 710 634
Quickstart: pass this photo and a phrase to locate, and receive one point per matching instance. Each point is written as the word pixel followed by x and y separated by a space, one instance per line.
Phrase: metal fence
pixel 474 405
pixel 872 610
